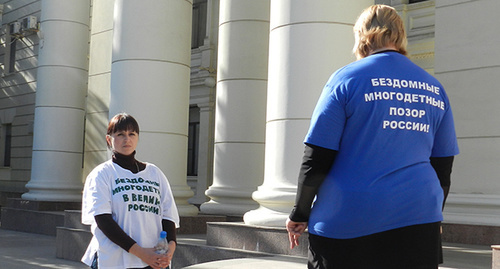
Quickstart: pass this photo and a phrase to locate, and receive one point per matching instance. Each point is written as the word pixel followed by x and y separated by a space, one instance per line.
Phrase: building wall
pixel 468 65
pixel 469 68
pixel 449 38
pixel 17 92
pixel 202 92
pixel 101 44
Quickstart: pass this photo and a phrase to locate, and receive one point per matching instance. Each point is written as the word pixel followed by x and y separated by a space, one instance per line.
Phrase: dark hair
pixel 122 122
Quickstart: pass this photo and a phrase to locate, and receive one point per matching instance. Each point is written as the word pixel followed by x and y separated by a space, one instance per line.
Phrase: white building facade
pixel 223 92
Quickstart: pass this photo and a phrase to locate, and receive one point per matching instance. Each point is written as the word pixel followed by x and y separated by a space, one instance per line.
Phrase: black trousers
pixel 412 247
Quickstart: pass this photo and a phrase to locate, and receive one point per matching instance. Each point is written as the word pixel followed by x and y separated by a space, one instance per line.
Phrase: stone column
pixel 203 96
pixel 56 169
pixel 308 41
pixel 150 80
pixel 475 197
pixel 240 106
pixel 96 119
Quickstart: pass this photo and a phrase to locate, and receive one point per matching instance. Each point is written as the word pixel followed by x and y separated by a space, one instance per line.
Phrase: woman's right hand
pixel 295 230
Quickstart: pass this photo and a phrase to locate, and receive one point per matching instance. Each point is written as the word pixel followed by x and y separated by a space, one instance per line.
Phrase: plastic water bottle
pixel 162 245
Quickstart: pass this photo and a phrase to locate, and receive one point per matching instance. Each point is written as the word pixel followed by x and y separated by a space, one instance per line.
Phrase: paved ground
pixel 457 256
pixel 32 251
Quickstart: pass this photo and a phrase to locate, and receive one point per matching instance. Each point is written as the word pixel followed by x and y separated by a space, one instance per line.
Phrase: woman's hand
pixel 171 249
pixel 295 230
pixel 149 256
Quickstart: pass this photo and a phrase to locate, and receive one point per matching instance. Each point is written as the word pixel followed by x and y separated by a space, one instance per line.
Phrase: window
pixel 193 138
pixel 10 50
pixel 199 23
pixel 6 144
pixel 12 56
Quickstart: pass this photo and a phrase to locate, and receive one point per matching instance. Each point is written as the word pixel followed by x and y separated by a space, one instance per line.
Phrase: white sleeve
pixel 96 195
pixel 169 208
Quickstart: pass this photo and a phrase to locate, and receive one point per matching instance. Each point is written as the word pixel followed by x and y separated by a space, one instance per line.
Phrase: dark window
pixel 193 141
pixel 12 56
pixel 192 162
pixel 199 23
pixel 7 144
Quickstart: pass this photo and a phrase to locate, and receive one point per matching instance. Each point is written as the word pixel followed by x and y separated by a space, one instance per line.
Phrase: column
pixel 150 80
pixel 203 96
pixel 308 41
pixel 471 82
pixel 240 106
pixel 56 169
pixel 96 119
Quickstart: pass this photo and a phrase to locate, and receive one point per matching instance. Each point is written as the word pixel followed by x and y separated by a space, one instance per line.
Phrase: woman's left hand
pixel 149 256
pixel 166 258
pixel 171 249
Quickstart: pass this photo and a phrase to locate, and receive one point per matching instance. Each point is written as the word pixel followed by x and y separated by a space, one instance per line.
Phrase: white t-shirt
pixel 137 202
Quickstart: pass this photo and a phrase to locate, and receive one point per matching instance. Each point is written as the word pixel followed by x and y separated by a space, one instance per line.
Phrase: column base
pixel 187 210
pixel 265 217
pixel 238 207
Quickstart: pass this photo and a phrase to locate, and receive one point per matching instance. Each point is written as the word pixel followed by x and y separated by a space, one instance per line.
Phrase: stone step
pixel 71 243
pixel 495 261
pixel 73 238
pixel 193 249
pixel 471 234
pixel 237 235
pixel 31 221
pixel 202 238
pixel 73 220
pixel 38 217
pixel 20 203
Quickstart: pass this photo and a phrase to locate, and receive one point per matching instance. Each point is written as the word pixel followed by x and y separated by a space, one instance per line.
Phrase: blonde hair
pixel 377 27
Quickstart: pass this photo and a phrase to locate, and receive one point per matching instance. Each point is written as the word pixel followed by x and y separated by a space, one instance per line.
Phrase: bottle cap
pixel 163 234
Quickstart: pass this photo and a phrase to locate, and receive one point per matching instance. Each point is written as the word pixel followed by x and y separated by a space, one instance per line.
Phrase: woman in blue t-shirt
pixel 377 159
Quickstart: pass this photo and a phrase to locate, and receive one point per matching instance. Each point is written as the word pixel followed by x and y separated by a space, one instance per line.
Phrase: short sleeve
pixel 96 195
pixel 445 139
pixel 169 208
pixel 329 117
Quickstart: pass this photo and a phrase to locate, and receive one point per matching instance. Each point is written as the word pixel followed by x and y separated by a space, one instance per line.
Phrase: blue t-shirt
pixel 385 116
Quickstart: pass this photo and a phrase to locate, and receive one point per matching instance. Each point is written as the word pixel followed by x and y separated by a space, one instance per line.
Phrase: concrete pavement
pixel 456 256
pixel 33 251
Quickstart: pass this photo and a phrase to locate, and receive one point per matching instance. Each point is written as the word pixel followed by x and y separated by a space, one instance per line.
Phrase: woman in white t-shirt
pixel 128 203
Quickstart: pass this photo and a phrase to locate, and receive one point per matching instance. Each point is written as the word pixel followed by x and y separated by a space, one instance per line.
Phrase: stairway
pixel 38 217
pixel 200 239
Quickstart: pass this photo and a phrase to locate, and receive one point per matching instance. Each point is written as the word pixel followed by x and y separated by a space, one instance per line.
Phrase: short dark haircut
pixel 122 122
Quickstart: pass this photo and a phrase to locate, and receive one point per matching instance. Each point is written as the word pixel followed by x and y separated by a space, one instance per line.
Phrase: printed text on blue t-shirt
pixel 405 98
